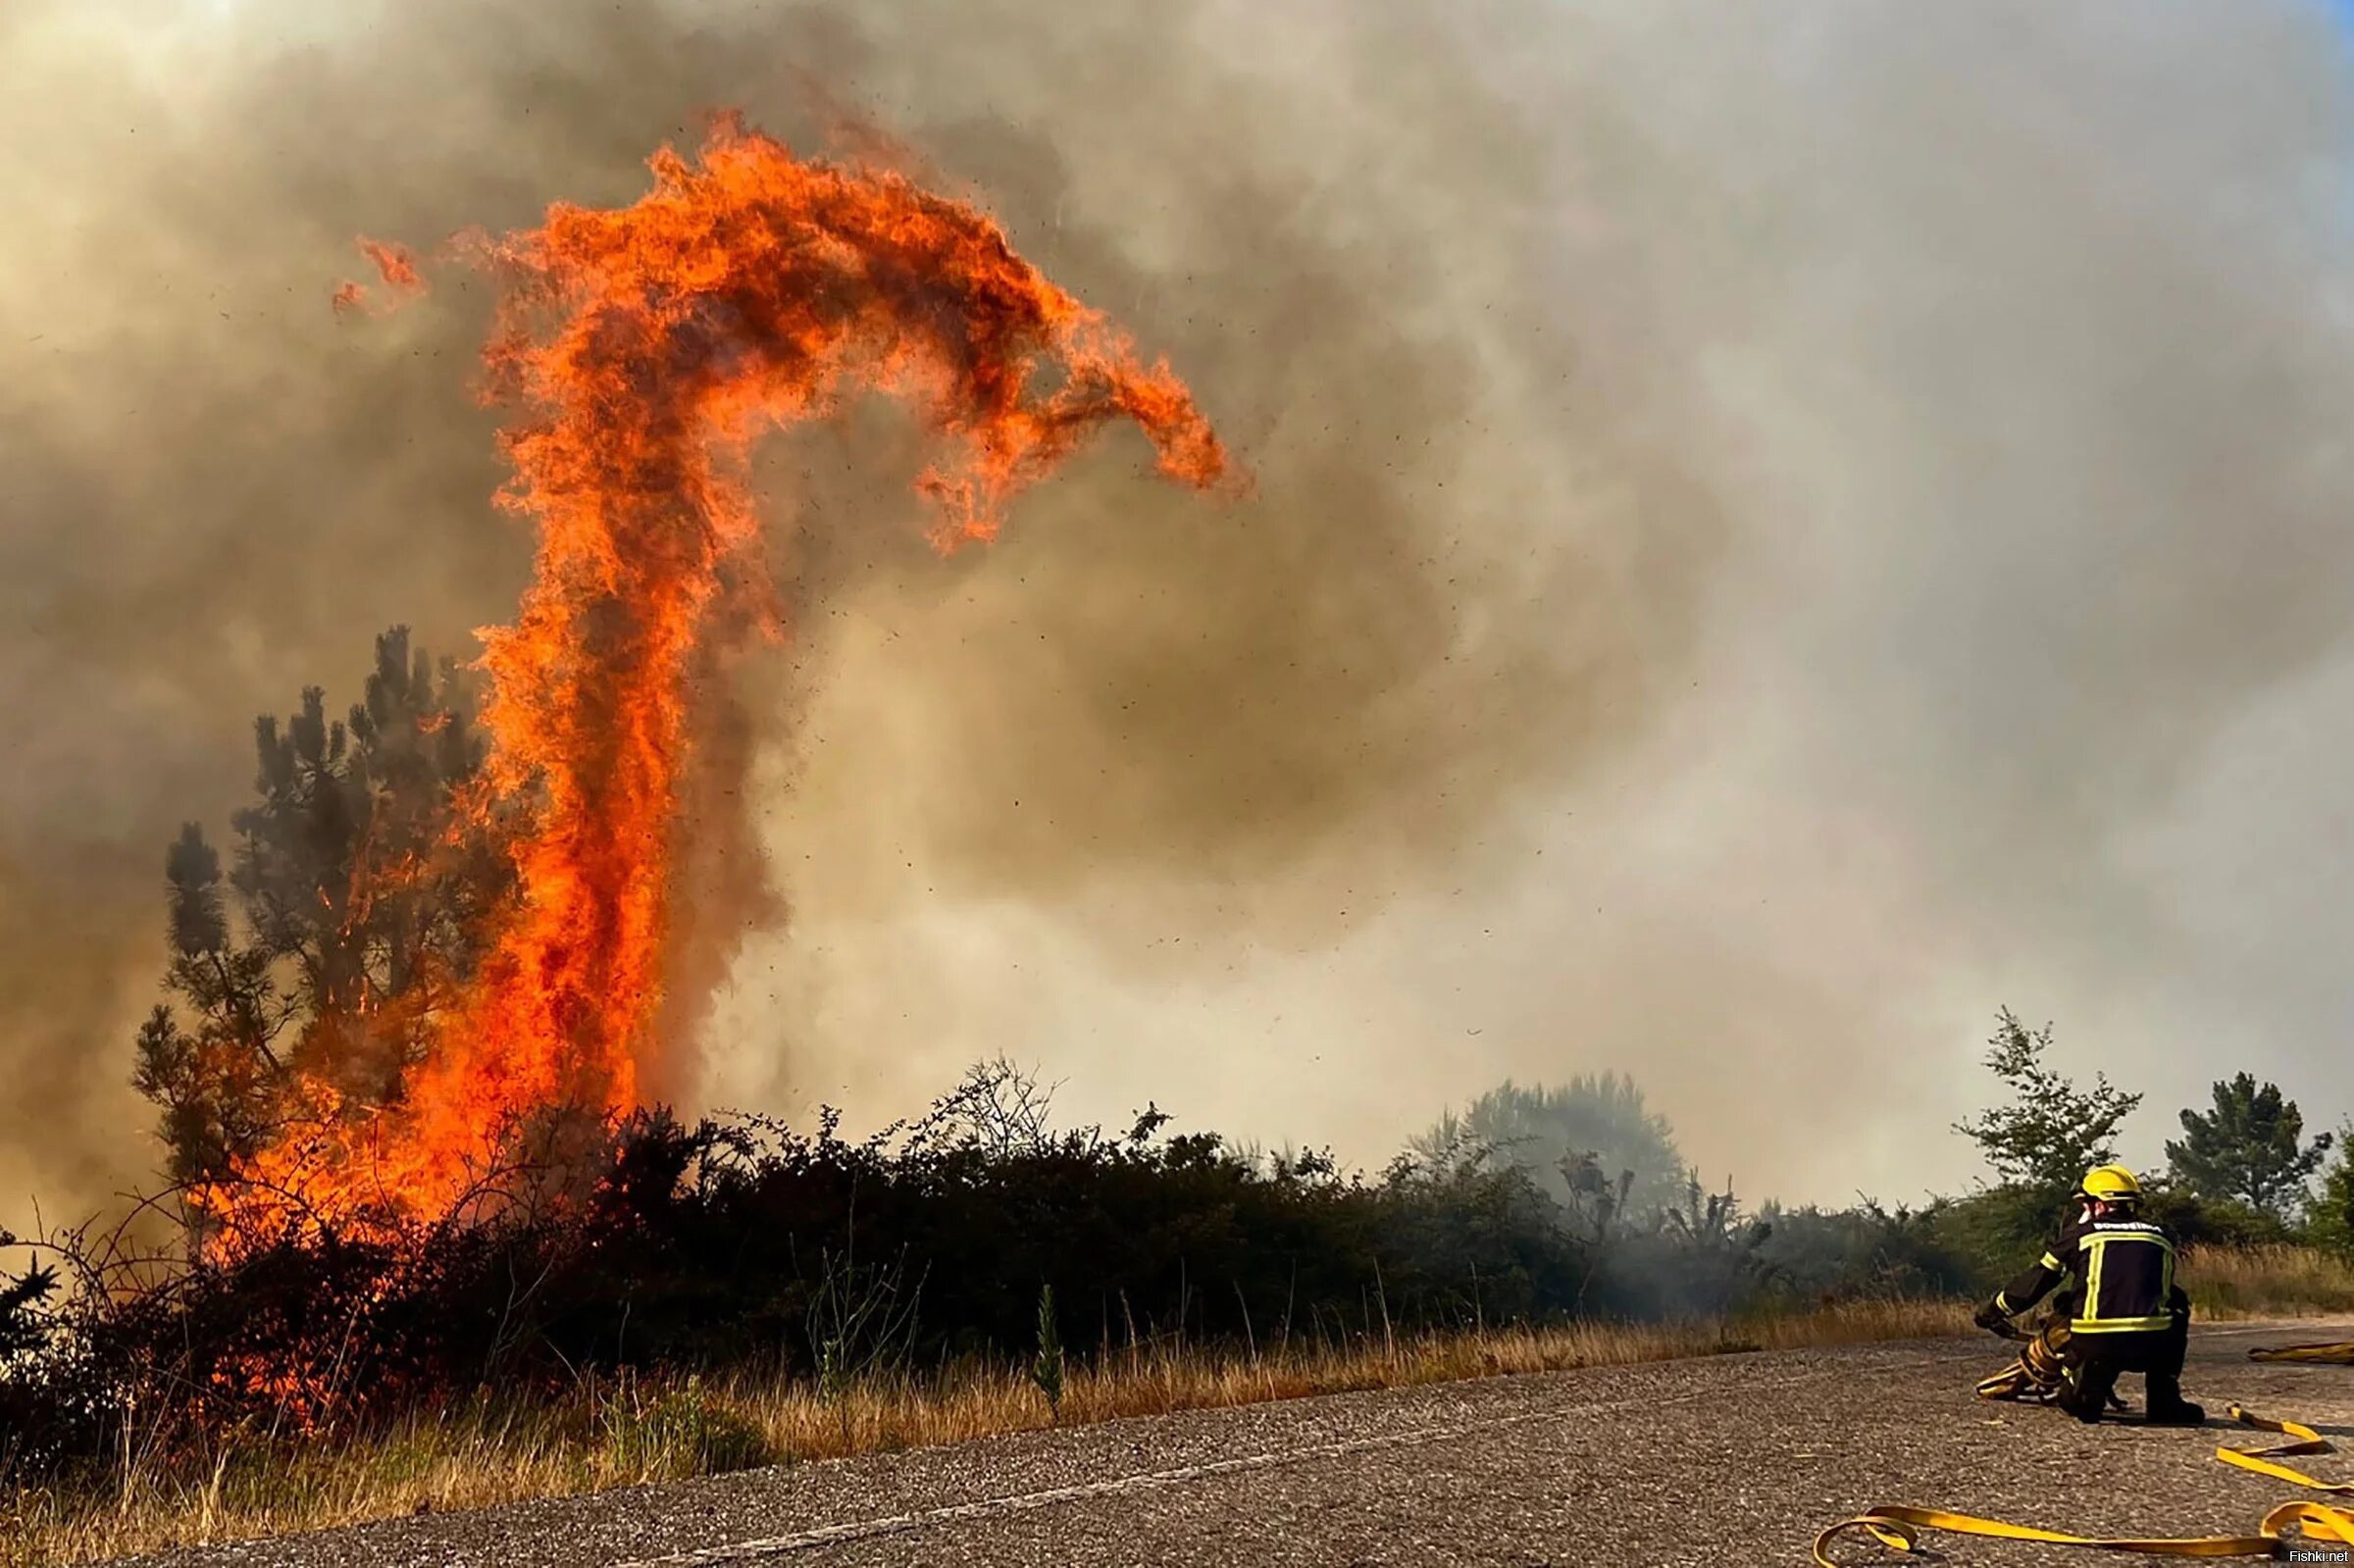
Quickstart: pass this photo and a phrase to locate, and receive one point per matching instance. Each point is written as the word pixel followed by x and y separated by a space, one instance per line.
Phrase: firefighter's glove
pixel 1994 1320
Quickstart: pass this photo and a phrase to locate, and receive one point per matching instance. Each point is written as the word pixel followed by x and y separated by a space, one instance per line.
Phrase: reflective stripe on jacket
pixel 2120 1274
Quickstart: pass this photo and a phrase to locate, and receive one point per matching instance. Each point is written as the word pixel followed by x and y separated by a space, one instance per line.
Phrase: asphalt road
pixel 1727 1460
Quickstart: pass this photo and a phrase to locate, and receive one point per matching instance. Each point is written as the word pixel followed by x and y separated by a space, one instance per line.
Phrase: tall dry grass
pixel 2276 1279
pixel 605 1434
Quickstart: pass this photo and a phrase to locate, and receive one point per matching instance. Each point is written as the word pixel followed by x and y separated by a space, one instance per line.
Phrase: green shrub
pixel 1047 1366
pixel 1817 1256
pixel 2330 1222
pixel 2214 1222
pixel 684 1431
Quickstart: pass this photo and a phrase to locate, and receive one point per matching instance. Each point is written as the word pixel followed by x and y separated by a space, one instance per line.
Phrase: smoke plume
pixel 1774 534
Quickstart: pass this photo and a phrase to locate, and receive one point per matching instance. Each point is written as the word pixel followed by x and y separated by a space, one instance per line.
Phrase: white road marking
pixel 1158 1480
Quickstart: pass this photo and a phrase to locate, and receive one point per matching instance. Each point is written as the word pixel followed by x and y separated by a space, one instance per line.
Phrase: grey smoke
pixel 1777 534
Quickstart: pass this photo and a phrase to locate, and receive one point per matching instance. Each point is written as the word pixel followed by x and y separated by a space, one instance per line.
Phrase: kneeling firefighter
pixel 2121 1310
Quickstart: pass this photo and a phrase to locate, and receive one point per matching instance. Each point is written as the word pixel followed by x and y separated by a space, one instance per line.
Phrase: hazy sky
pixel 1780 534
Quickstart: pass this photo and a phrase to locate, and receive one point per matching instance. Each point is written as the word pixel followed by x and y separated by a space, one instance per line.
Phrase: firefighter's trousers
pixel 2094 1362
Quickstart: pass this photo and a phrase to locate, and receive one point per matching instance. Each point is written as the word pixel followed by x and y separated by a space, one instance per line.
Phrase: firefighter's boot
pixel 2167 1406
pixel 2163 1380
pixel 2085 1390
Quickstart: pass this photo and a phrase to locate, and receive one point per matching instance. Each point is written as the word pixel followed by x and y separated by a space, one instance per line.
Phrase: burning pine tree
pixel 644 350
pixel 350 907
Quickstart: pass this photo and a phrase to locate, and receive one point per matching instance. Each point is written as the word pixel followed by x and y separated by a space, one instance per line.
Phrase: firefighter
pixel 2120 1311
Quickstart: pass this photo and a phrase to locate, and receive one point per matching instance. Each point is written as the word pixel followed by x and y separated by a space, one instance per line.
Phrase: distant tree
pixel 353 899
pixel 2330 1218
pixel 2052 1131
pixel 2249 1147
pixel 1579 1141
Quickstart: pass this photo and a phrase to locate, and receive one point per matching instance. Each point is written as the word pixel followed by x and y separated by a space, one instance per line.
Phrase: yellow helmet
pixel 2110 1184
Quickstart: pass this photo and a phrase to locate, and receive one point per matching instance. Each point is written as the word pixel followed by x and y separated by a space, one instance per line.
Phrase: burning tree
pixel 351 909
pixel 437 1013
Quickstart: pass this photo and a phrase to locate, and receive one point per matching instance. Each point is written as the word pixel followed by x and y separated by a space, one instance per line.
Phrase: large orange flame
pixel 645 348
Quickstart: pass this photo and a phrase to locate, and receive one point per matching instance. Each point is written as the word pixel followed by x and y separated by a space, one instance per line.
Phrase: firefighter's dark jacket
pixel 2119 1273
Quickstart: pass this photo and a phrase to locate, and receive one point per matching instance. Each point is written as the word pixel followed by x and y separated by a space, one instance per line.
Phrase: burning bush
pixel 745 1244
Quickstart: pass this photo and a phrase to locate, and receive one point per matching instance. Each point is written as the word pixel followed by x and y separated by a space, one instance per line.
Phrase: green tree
pixel 213 1064
pixel 2249 1147
pixel 2052 1131
pixel 356 895
pixel 1579 1141
pixel 2330 1219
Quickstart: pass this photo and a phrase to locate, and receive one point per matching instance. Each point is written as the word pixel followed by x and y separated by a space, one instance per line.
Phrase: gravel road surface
pixel 1730 1460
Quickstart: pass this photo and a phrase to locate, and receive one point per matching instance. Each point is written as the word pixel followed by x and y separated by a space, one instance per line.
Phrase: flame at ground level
pixel 644 349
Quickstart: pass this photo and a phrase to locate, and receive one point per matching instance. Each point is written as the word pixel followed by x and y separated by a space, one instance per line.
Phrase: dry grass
pixel 603 1434
pixel 616 1436
pixel 2267 1282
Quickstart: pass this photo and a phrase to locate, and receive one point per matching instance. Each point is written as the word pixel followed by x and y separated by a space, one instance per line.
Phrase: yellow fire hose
pixel 2261 1460
pixel 2340 1354
pixel 1898 1527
